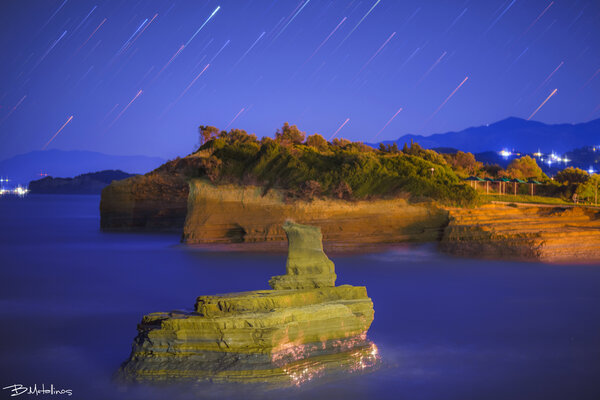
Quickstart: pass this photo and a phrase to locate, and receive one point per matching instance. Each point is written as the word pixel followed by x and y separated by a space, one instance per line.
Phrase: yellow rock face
pixel 282 336
pixel 232 213
pixel 554 234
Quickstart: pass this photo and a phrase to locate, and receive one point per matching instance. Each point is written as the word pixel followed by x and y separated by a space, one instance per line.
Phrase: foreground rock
pixel 303 328
pixel 235 214
pixel 554 234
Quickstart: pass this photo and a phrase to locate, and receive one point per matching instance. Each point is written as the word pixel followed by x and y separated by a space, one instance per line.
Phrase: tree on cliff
pixel 317 141
pixel 289 134
pixel 207 133
pixel 238 136
pixel 525 168
pixel 571 176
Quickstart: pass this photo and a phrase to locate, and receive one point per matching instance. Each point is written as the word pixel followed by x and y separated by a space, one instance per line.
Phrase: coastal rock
pixel 546 233
pixel 246 214
pixel 279 336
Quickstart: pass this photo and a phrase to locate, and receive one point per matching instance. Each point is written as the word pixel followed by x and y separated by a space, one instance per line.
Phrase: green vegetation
pixel 313 167
pixel 571 175
pixel 587 191
pixel 525 168
pixel 309 167
pixel 522 198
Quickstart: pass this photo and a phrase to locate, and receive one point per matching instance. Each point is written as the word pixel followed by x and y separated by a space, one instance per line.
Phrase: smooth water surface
pixel 447 328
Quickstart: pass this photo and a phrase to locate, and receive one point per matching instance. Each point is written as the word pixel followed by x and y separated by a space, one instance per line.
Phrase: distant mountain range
pixel 26 167
pixel 512 133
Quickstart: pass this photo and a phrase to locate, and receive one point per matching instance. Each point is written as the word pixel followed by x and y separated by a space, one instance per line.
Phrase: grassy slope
pixel 521 198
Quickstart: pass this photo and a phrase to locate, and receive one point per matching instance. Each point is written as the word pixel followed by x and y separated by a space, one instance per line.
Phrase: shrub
pixel 317 141
pixel 210 167
pixel 342 190
pixel 571 175
pixel 310 189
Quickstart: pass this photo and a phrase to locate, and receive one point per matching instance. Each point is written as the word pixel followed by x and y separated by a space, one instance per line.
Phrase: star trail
pixel 141 76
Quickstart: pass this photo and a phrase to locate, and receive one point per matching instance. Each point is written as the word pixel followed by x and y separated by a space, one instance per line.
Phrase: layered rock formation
pixel 554 234
pixel 304 327
pixel 233 213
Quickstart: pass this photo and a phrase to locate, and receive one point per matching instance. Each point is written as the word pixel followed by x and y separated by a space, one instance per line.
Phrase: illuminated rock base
pixel 280 336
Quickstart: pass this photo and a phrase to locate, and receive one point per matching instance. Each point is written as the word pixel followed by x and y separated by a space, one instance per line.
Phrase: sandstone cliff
pixel 233 213
pixel 279 336
pixel 554 234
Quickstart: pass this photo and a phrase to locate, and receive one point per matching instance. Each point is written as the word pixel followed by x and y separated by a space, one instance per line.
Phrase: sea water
pixel 446 328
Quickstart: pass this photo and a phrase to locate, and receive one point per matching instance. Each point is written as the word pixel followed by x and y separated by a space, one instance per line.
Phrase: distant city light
pixel 20 191
pixel 591 170
pixel 549 158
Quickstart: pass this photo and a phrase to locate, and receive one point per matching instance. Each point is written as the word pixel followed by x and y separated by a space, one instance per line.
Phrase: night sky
pixel 138 77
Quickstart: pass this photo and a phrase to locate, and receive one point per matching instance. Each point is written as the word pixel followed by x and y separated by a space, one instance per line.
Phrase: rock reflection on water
pixel 361 359
pixel 315 363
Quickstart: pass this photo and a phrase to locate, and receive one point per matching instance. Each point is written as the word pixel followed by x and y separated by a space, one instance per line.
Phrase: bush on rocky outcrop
pixel 340 169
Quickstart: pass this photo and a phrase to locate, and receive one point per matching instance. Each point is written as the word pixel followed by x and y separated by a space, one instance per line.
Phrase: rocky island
pixel 238 189
pixel 90 183
pixel 303 327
